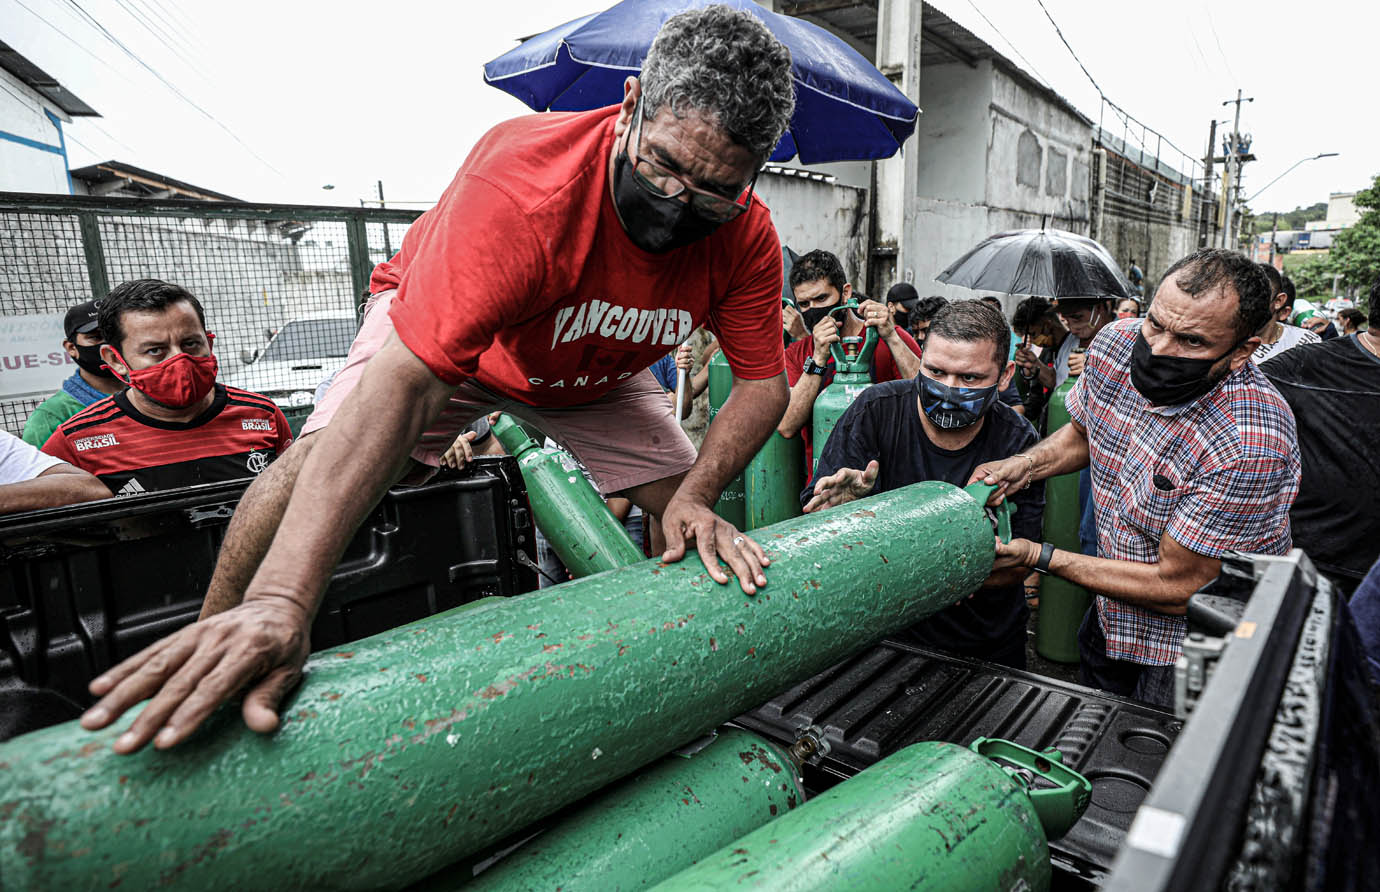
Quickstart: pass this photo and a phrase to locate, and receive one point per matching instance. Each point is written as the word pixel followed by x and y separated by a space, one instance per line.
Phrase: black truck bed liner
pixel 896 694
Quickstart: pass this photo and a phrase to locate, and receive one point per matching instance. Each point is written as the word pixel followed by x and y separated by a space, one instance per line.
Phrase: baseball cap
pixel 81 319
pixel 903 293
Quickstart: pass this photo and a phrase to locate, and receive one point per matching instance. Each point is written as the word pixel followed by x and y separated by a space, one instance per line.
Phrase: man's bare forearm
pixel 1062 452
pixel 907 363
pixel 59 485
pixel 349 467
pixel 739 429
pixel 1150 586
pixel 251 529
pixel 800 406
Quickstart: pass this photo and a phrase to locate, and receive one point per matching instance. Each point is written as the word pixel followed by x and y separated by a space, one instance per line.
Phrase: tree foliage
pixel 1264 221
pixel 1356 250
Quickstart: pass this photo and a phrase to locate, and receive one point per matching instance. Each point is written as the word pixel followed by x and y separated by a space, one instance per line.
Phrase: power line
pixel 167 83
pixel 1019 55
pixel 66 36
pixel 1091 79
pixel 158 34
pixel 1220 51
pixel 180 33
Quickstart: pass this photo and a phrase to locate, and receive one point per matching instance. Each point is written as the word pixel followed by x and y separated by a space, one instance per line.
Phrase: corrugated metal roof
pixel 44 84
pixel 147 181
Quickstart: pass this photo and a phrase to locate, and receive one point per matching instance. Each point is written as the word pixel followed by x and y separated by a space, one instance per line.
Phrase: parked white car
pixel 300 356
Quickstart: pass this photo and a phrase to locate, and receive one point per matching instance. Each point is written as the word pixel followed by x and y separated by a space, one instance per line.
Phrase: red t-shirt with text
pixel 523 278
pixel 883 369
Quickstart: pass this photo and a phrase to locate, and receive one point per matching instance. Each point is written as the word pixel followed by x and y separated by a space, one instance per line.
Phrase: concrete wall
pixel 995 155
pixel 811 214
pixel 32 154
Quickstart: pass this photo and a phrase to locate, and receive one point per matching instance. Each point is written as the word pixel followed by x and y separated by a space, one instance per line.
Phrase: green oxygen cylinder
pixel 403 753
pixel 852 375
pixel 934 817
pixel 730 504
pixel 651 825
pixel 772 482
pixel 1062 604
pixel 584 533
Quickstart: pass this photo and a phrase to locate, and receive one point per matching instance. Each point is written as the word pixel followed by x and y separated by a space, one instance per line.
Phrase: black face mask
pixel 1173 380
pixel 951 408
pixel 656 225
pixel 89 359
pixel 813 316
pixel 902 318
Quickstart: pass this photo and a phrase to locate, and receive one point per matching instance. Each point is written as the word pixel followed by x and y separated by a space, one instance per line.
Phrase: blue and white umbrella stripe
pixel 845 108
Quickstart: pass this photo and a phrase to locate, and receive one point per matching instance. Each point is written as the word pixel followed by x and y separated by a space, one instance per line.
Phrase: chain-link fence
pixel 281 284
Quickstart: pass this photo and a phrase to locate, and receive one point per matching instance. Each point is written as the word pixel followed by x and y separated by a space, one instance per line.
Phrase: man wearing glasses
pixel 569 253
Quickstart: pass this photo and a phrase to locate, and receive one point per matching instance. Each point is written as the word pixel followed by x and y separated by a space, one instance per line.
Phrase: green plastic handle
pixel 1000 515
pixel 1060 806
pixel 864 357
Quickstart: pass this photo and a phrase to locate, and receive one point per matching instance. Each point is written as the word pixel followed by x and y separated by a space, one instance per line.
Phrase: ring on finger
pixel 738 541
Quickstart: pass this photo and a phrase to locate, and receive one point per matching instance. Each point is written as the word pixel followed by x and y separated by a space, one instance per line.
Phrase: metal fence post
pixel 357 234
pixel 95 255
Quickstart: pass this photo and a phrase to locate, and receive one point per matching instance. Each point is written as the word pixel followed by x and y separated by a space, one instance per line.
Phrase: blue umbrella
pixel 845 109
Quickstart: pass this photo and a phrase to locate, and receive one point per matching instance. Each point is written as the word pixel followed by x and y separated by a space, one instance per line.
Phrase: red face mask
pixel 178 381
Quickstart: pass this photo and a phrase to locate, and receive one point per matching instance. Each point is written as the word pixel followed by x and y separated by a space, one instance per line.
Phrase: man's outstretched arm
pixel 264 641
pixel 59 485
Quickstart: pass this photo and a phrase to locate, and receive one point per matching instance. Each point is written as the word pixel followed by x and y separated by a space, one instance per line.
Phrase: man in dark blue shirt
pixel 941 425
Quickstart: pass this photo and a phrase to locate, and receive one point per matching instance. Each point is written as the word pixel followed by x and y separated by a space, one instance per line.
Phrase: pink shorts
pixel 625 438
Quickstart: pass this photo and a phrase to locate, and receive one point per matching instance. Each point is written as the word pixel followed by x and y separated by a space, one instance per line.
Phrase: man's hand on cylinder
pixel 686 519
pixel 261 643
pixel 875 315
pixel 1009 475
pixel 844 485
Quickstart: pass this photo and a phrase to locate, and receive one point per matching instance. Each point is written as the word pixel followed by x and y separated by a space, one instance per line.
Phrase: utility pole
pixel 387 243
pixel 1274 228
pixel 1207 183
pixel 1234 171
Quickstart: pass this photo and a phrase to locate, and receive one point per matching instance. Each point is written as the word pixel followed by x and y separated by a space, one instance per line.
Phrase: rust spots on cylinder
pixel 345 654
pixel 420 677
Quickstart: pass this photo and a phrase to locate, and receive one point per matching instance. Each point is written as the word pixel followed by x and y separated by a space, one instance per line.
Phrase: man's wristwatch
pixel 1042 565
pixel 811 367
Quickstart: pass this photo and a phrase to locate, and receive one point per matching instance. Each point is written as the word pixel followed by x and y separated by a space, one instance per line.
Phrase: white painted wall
pixel 812 214
pixel 25 168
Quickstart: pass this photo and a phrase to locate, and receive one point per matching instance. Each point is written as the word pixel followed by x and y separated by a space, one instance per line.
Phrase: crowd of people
pixel 554 280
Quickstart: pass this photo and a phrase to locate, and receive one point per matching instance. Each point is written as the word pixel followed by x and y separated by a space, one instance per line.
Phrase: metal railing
pixel 281 284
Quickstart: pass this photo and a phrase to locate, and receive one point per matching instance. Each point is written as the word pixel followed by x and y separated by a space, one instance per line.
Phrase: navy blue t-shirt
pixel 884 424
pixel 664 370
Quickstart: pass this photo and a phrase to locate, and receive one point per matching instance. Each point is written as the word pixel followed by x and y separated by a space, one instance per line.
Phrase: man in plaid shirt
pixel 1193 454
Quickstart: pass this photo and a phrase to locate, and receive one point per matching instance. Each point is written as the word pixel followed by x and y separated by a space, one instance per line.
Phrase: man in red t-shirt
pixel 172 425
pixel 819 285
pixel 568 254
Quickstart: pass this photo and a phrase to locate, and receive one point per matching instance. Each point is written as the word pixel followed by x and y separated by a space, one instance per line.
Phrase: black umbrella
pixel 1047 262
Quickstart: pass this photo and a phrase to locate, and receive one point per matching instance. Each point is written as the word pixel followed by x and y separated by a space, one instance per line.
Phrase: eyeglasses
pixel 663 184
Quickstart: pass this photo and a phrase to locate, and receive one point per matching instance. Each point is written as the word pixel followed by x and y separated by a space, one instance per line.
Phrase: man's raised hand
pixel 844 485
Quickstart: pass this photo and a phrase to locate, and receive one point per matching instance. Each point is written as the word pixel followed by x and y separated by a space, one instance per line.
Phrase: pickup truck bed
pixel 896 694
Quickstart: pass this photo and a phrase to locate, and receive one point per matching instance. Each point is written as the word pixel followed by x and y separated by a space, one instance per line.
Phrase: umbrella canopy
pixel 1047 262
pixel 845 109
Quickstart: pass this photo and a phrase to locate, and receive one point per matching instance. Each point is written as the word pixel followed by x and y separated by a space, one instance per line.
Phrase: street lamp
pixel 1295 164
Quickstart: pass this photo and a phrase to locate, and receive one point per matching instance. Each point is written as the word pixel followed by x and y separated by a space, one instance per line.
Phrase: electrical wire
pixel 169 84
pixel 144 22
pixel 65 36
pixel 993 26
pixel 1220 52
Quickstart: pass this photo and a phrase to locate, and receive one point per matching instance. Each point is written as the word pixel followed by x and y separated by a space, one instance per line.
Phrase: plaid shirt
pixel 1217 474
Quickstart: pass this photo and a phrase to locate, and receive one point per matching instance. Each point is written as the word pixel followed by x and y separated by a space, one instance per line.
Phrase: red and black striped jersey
pixel 237 436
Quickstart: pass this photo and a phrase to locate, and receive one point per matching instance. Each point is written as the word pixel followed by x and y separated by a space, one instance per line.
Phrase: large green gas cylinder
pixel 772 482
pixel 730 504
pixel 584 533
pixel 852 375
pixel 1062 604
pixel 648 827
pixel 934 816
pixel 403 753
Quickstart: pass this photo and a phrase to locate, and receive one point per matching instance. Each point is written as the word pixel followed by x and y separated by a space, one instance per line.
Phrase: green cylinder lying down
pixel 653 824
pixel 402 753
pixel 730 504
pixel 1062 604
pixel 581 529
pixel 934 816
pixel 772 482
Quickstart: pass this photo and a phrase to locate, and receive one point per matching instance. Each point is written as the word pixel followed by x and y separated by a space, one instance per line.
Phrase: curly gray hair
pixel 723 62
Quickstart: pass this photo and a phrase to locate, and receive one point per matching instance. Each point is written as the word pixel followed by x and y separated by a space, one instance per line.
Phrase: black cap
pixel 903 293
pixel 81 319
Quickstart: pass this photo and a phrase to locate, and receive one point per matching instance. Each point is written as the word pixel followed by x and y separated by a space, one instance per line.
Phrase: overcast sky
pixel 315 95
